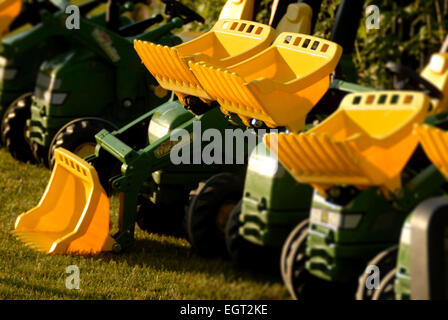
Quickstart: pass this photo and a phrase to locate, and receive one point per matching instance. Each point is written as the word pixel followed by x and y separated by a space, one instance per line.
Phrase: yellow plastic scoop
pixel 73 214
pixel 279 85
pixel 9 10
pixel 366 142
pixel 229 42
pixel 435 143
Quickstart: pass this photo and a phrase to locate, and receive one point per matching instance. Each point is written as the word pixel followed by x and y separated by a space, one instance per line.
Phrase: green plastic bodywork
pixel 273 204
pixel 23 53
pixel 151 170
pixel 339 254
pixel 103 78
pixel 272 201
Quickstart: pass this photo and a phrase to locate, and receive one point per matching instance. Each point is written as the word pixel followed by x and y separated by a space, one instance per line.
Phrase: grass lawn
pixel 157 267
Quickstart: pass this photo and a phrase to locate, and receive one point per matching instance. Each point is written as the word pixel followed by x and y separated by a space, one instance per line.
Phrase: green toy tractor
pixel 367 179
pixel 270 209
pixel 116 91
pixel 146 172
pixel 416 267
pixel 21 54
pixel 85 79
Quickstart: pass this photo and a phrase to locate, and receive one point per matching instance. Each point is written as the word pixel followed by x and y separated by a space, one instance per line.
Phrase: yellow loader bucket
pixel 229 42
pixel 366 142
pixel 435 143
pixel 279 85
pixel 73 214
pixel 9 10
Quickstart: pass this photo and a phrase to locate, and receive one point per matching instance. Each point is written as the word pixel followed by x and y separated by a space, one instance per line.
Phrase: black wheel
pixel 386 290
pixel 286 249
pixel 385 261
pixel 244 252
pixel 78 136
pixel 40 153
pixel 300 283
pixel 14 128
pixel 160 219
pixel 209 210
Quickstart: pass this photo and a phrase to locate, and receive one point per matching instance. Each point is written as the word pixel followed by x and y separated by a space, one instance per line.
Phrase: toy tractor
pixel 116 91
pixel 212 201
pixel 18 68
pixel 269 209
pixel 145 171
pixel 415 268
pixel 21 54
pixel 367 178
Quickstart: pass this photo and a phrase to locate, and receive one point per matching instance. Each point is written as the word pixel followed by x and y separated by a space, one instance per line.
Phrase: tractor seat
pixel 366 142
pixel 229 42
pixel 279 85
pixel 436 72
pixel 297 19
pixel 435 143
pixel 238 9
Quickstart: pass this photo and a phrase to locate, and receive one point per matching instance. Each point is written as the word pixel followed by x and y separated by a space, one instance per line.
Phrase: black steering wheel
pixel 174 8
pixel 407 79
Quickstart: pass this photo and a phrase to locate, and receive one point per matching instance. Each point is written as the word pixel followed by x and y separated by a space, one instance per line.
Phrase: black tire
pixel 304 286
pixel 386 290
pixel 77 134
pixel 386 261
pixel 293 236
pixel 208 212
pixel 40 153
pixel 245 253
pixel 160 219
pixel 13 128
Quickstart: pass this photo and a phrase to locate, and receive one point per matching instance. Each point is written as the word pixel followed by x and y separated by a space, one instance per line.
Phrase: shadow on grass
pixel 59 293
pixel 169 256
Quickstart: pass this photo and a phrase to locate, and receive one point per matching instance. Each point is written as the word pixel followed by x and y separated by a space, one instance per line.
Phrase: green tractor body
pixel 150 170
pixel 22 52
pixel 344 237
pixel 273 201
pixel 270 205
pixel 102 78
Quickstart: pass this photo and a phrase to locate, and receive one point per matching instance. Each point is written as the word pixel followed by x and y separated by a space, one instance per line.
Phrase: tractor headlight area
pixel 8 74
pixel 335 220
pixel 263 165
pixel 7 71
pixel 51 97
